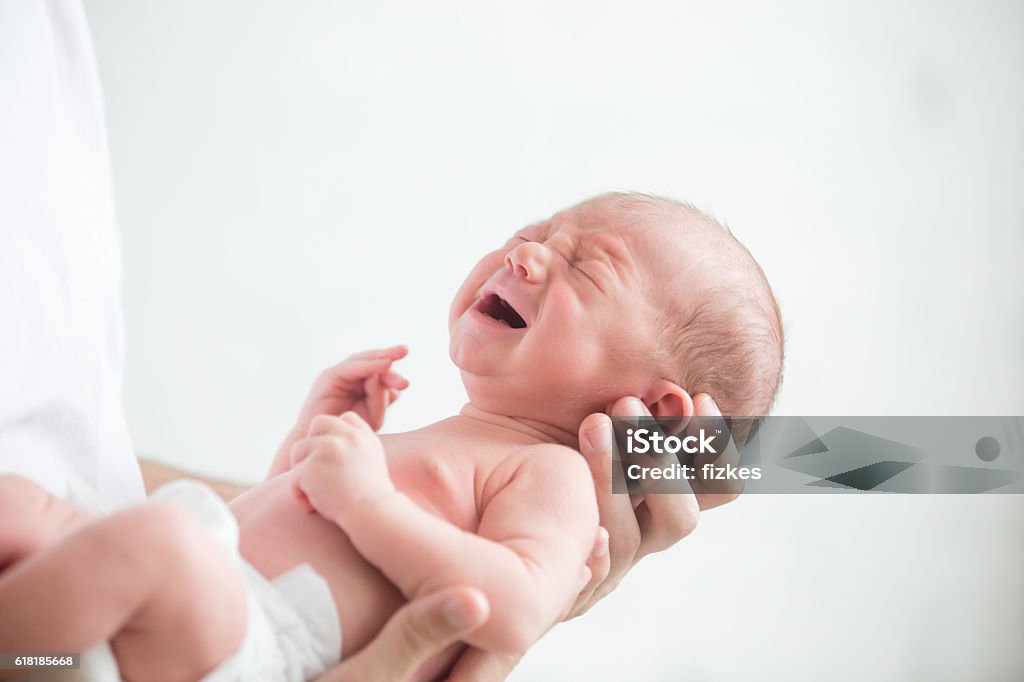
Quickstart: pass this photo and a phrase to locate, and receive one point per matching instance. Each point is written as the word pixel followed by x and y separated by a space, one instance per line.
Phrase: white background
pixel 299 181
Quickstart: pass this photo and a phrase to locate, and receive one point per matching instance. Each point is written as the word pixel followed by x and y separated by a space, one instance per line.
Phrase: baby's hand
pixel 363 383
pixel 339 465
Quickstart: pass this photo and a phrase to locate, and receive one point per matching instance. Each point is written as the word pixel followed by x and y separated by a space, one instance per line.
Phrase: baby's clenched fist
pixel 339 465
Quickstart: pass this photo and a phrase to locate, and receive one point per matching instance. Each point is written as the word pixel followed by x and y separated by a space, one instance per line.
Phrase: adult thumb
pixel 416 632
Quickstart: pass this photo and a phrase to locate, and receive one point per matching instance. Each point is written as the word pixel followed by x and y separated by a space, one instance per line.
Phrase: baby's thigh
pixel 32 518
pixel 196 613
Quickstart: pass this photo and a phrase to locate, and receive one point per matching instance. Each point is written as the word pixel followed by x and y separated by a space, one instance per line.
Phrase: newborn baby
pixel 621 295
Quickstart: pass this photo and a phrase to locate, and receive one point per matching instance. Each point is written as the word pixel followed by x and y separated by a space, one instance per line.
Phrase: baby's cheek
pixel 575 362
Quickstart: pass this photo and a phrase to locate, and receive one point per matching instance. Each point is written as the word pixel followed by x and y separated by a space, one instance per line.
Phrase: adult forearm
pixel 155 475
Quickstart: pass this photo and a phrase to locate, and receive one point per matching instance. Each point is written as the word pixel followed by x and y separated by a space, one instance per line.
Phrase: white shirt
pixel 61 419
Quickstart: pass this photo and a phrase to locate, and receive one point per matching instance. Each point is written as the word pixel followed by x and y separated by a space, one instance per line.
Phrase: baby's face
pixel 554 321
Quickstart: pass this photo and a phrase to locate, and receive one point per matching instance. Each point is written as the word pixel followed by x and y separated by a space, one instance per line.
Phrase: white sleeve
pixel 61 418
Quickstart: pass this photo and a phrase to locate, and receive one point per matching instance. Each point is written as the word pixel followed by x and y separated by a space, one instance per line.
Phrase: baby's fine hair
pixel 724 338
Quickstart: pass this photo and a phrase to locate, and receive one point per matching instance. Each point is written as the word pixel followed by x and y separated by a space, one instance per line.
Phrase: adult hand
pixel 418 631
pixel 627 534
pixel 655 524
pixel 712 492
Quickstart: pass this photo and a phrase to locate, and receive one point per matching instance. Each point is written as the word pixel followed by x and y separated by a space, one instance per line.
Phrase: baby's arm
pixel 535 532
pixel 534 537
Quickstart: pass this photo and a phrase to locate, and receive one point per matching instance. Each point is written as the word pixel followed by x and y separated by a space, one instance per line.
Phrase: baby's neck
pixel 543 432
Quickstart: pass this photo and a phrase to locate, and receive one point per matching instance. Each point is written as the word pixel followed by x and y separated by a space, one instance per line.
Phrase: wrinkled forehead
pixel 603 221
pixel 658 241
pixel 604 214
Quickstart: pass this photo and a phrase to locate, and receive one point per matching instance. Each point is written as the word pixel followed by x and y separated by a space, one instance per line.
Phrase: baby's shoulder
pixel 553 455
pixel 556 464
pixel 551 480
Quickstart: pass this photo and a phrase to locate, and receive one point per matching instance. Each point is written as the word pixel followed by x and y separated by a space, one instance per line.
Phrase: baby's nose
pixel 529 259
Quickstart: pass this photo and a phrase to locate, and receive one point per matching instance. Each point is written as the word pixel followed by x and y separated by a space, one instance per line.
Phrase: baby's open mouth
pixel 497 308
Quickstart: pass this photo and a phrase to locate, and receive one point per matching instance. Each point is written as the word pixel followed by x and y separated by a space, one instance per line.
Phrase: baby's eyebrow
pixel 596 247
pixel 577 248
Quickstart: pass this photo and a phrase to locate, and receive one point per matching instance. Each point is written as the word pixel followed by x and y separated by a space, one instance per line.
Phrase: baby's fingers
pixel 376 401
pixel 300 496
pixel 351 423
pixel 394 380
pixel 392 352
pixel 303 448
pixel 348 374
pixel 366 364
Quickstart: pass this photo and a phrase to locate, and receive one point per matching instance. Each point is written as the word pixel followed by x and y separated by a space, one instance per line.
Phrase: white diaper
pixel 292 634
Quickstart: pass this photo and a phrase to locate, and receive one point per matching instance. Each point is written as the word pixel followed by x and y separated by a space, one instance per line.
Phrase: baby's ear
pixel 667 399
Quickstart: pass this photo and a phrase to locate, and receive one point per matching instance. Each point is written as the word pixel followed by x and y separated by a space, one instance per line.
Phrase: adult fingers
pixel 416 632
pixel 666 511
pixel 705 408
pixel 616 511
pixel 665 519
pixel 662 519
pixel 599 565
pixel 714 492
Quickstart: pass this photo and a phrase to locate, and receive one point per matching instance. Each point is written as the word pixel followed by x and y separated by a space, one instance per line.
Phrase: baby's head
pixel 624 294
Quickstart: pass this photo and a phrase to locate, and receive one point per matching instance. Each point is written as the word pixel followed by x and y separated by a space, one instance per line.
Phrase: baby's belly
pixel 277 534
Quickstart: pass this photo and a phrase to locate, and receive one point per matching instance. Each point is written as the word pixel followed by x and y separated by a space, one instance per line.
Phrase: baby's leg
pixel 150 579
pixel 30 518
